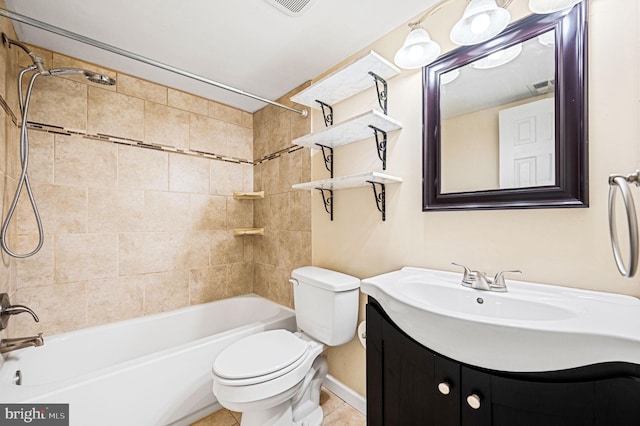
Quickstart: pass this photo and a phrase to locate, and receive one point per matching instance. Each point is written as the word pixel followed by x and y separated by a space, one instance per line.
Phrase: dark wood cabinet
pixel 408 384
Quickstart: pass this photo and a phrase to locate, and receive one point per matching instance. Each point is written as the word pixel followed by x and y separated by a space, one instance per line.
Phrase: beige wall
pixel 567 247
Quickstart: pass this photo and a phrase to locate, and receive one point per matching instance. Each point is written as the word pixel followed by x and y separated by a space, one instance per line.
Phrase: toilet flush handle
pixel 294 281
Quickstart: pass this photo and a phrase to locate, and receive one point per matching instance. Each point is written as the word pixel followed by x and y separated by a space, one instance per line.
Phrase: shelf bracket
pixel 382 94
pixel 381 145
pixel 328 158
pixel 380 198
pixel 328 201
pixel 327 113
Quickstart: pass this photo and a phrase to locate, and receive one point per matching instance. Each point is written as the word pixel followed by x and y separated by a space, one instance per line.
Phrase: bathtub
pixel 154 370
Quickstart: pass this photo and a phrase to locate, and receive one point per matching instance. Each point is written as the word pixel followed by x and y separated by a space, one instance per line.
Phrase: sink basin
pixel 531 328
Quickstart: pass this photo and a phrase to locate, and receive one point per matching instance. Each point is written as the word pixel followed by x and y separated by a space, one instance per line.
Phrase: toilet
pixel 274 377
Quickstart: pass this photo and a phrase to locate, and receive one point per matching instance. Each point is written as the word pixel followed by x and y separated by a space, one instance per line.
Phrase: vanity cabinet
pixel 408 384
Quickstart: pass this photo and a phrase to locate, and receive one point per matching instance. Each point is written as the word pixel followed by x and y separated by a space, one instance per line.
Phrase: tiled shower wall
pixel 132 226
pixel 7 163
pixel 285 213
pixel 134 184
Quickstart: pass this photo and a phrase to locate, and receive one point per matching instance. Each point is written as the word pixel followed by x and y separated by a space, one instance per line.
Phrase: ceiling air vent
pixel 291 7
pixel 542 87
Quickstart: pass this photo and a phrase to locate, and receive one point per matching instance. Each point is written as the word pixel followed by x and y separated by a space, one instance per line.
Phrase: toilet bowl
pixel 263 376
pixel 274 377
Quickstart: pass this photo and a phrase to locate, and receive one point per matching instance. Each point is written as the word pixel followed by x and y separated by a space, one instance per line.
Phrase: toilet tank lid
pixel 326 279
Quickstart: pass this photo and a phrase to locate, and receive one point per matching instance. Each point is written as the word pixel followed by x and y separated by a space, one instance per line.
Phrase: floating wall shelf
pixel 377 181
pixel 353 130
pixel 248 195
pixel 248 231
pixel 347 81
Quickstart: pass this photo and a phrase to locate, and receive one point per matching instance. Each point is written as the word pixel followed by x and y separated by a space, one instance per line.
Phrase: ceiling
pixel 247 44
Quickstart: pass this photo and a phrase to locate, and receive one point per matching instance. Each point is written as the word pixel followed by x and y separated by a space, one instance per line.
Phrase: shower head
pixel 93 77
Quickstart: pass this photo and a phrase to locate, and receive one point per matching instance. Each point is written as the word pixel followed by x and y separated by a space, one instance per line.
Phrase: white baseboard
pixel 346 394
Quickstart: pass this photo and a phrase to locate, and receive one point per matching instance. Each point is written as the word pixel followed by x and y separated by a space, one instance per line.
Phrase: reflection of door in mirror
pixel 527 145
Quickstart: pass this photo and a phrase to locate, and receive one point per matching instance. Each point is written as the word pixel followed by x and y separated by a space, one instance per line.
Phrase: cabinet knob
pixel 474 401
pixel 444 388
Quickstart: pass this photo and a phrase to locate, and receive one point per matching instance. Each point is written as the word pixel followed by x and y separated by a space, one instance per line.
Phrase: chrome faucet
pixel 8 345
pixel 479 280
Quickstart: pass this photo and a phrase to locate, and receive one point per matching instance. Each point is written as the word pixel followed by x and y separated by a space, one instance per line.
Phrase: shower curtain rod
pixel 95 43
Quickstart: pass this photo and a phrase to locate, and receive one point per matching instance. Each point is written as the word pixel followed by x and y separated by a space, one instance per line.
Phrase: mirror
pixel 505 121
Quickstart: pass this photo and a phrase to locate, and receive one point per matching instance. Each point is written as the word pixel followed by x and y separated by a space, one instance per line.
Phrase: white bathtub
pixel 147 371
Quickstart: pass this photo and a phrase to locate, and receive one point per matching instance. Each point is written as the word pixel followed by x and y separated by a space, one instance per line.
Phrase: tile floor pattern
pixel 336 413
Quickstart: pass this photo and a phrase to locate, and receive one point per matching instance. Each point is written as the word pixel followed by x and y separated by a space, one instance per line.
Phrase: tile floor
pixel 336 413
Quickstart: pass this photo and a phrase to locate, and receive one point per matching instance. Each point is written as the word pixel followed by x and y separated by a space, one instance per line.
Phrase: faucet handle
pixel 7 309
pixel 469 276
pixel 498 283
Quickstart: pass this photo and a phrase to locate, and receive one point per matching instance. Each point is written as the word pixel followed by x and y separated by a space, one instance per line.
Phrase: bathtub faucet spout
pixel 8 345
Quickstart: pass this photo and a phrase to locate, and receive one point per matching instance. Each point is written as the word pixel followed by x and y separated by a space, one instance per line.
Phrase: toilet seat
pixel 279 352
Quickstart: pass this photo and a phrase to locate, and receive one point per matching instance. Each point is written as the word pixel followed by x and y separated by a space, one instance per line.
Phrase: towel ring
pixel 622 182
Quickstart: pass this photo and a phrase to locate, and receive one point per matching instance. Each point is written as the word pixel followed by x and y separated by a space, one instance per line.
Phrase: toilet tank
pixel 326 304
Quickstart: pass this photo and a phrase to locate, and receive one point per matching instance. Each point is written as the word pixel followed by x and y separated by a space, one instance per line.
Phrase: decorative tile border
pixel 47 128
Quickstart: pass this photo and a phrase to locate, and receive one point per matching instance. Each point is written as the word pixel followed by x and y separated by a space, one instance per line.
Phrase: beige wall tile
pixel 59 102
pixel 166 211
pixel 191 249
pixel 166 291
pixel 114 299
pixel 226 177
pixel 189 174
pixel 208 284
pixel 208 135
pixel 188 102
pixel 240 142
pixel 300 125
pixel 225 113
pixel 84 257
pixel 145 252
pixel 273 284
pixel 36 270
pixel 25 61
pixel 114 114
pixel 247 120
pixel 140 168
pixel 240 279
pixel 290 170
pixel 267 248
pixel 226 248
pixel 280 136
pixel 165 125
pixel 62 209
pixel 113 211
pixel 300 210
pixel 86 162
pixel 279 211
pixel 41 157
pixel 247 177
pixel 271 176
pixel 61 308
pixel 142 89
pixel 208 212
pixel 294 249
pixel 148 252
pixel 239 213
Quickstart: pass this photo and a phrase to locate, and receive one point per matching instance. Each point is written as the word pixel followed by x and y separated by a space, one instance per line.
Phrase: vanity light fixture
pixel 550 6
pixel 481 21
pixel 418 49
pixel 499 58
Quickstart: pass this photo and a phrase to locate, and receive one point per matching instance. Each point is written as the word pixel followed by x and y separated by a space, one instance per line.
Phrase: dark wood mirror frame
pixel 571 189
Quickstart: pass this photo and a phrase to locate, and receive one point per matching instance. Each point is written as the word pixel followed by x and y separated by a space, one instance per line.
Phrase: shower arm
pixel 100 45
pixel 37 61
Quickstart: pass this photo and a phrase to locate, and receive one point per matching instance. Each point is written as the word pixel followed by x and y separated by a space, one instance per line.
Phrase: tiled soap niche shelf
pixel 365 72
pixel 377 181
pixel 248 196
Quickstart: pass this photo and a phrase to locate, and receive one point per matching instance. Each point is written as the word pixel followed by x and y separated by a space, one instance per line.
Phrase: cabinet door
pixel 402 383
pixel 617 402
pixel 527 403
pixel 476 398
